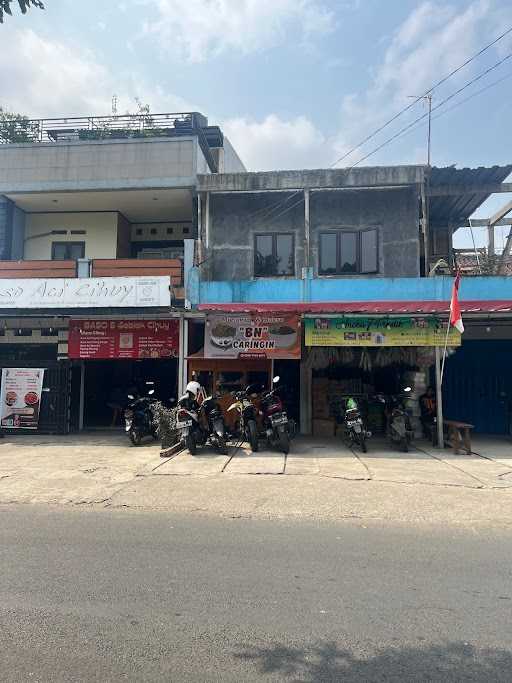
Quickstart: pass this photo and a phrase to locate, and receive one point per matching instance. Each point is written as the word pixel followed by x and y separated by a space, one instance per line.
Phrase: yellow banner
pixel 378 331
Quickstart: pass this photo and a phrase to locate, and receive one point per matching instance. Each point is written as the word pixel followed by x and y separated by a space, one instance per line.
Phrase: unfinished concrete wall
pixel 236 218
pixel 395 214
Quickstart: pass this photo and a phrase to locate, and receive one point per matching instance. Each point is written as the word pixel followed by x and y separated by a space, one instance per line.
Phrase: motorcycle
pixel 138 417
pixel 247 429
pixel 399 429
pixel 201 423
pixel 276 425
pixel 354 426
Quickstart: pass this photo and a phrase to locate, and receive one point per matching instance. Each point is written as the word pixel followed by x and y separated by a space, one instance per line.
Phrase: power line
pixel 440 104
pixel 266 212
pixel 420 97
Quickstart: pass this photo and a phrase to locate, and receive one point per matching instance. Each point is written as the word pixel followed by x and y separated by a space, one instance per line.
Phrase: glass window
pixel 369 251
pixel 284 255
pixel 273 255
pixel 328 253
pixel 67 251
pixel 348 248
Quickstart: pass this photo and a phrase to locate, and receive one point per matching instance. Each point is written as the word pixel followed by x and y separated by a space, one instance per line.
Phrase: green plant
pixel 16 128
pixel 5 6
pixel 164 420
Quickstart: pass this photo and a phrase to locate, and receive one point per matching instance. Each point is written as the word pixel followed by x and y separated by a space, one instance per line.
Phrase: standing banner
pixel 20 397
pixel 252 335
pixel 104 339
pixel 378 331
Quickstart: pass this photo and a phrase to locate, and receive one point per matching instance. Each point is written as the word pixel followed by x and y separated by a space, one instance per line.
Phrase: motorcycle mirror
pixel 276 379
pixel 131 397
pixel 151 391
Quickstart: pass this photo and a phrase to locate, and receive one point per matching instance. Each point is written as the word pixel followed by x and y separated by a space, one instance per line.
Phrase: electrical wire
pixel 265 213
pixel 437 106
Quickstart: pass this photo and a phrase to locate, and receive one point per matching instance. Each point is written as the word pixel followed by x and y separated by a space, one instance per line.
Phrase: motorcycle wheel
pixel 222 446
pixel 362 443
pixel 191 444
pixel 252 434
pixel 135 437
pixel 284 442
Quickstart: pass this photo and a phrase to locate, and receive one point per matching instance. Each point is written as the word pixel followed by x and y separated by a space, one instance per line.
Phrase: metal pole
pixel 82 397
pixel 429 98
pixel 439 399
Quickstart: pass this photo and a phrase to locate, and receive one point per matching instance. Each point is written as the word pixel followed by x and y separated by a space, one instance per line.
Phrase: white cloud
pixel 196 30
pixel 49 78
pixel 434 40
pixel 275 143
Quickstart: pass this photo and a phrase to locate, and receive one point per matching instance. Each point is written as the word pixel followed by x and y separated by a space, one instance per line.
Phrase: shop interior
pixel 365 373
pixel 108 383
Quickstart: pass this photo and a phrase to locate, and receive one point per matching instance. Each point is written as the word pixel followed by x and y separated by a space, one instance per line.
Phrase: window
pixel 348 252
pixel 67 251
pixel 274 254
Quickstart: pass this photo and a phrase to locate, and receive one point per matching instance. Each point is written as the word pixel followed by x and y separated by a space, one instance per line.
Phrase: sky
pixel 293 83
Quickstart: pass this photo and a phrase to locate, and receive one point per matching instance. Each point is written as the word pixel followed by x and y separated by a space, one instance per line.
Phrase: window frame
pixel 70 243
pixel 339 233
pixel 274 236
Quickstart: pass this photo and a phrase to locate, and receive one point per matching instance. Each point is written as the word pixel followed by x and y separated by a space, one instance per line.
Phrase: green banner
pixel 378 331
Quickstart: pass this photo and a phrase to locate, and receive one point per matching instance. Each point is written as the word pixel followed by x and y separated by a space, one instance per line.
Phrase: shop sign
pixel 131 339
pixel 87 292
pixel 252 335
pixel 20 397
pixel 378 331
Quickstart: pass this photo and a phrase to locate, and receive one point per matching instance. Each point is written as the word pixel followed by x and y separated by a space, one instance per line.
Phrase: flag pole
pixel 446 343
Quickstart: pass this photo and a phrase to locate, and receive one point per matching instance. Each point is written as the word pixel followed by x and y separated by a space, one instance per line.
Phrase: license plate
pixel 180 425
pixel 357 428
pixel 280 420
pixel 128 425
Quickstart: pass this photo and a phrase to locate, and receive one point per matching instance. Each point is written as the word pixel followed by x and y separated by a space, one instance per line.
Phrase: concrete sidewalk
pixel 319 478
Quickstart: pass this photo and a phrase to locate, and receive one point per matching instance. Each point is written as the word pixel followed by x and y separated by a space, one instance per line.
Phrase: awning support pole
pixel 439 399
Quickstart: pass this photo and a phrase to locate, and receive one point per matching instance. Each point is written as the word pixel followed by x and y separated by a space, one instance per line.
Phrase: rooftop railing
pixel 127 126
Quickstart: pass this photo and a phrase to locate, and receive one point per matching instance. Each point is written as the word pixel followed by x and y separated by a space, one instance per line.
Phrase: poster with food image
pixel 20 397
pixel 252 335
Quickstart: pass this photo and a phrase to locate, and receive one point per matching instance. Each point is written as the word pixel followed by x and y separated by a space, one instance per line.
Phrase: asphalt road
pixel 108 596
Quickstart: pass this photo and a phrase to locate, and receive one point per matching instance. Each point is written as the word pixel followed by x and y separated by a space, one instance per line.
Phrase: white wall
pixel 100 238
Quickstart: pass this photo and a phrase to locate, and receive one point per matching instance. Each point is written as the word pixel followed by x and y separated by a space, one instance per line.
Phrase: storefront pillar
pixel 81 408
pixel 439 399
pixel 182 357
pixel 305 396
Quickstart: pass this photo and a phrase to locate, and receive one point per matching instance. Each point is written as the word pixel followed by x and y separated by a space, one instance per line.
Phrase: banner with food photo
pixel 20 397
pixel 252 335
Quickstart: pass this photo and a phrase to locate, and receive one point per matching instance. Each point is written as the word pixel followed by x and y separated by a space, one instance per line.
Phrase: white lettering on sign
pixel 85 292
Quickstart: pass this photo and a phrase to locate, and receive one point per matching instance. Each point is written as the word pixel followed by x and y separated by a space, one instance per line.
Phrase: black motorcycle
pixel 275 420
pixel 246 423
pixel 200 424
pixel 353 424
pixel 398 422
pixel 138 417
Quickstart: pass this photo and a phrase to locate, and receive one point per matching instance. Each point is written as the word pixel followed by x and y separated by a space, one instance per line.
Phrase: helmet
pixel 193 388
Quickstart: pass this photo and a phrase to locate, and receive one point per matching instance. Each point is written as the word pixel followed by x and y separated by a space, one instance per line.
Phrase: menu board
pixel 253 335
pixel 131 339
pixel 20 397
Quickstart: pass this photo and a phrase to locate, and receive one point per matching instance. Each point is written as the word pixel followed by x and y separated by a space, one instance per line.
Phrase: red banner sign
pixel 123 339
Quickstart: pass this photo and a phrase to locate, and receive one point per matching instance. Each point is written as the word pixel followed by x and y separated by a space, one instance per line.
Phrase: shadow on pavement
pixel 325 661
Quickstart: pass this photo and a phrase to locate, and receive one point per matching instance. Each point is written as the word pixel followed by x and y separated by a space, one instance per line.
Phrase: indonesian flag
pixel 455 314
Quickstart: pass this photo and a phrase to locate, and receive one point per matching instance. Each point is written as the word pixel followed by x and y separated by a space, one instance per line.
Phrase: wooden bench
pixel 459 435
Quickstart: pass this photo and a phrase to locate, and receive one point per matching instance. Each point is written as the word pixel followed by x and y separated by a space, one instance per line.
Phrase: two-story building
pixel 98 227
pixel 349 252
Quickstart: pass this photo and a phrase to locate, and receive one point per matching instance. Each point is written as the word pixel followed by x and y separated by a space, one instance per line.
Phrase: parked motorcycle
pixel 354 426
pixel 275 420
pixel 399 429
pixel 138 417
pixel 200 424
pixel 246 422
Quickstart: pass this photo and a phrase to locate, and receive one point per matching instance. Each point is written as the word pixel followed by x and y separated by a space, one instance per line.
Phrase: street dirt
pixel 319 479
